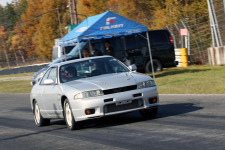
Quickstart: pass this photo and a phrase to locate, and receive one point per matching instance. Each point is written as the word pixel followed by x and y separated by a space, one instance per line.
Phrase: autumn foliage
pixel 28 28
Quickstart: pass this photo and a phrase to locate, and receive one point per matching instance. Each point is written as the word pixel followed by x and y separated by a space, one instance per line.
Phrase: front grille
pixel 114 108
pixel 121 89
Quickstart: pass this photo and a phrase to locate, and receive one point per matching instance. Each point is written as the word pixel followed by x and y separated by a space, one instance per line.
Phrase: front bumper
pixel 116 103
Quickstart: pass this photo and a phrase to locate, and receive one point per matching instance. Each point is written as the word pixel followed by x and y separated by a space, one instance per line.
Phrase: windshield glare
pixel 75 50
pixel 90 68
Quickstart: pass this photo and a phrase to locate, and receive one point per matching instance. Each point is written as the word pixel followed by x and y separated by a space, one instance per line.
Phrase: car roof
pixel 78 60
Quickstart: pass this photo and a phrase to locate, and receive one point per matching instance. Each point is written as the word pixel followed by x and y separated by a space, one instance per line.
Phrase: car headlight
pixel 145 84
pixel 88 94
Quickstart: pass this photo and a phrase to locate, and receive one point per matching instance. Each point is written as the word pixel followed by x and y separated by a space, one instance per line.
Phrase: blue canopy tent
pixel 105 25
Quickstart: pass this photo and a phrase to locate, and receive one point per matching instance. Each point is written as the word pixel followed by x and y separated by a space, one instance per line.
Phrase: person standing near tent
pixel 96 52
pixel 108 49
pixel 87 53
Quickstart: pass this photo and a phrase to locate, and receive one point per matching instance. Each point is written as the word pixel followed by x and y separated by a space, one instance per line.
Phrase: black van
pixel 133 49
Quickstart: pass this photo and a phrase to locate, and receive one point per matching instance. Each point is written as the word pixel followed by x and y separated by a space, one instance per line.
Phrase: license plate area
pixel 130 104
pixel 123 102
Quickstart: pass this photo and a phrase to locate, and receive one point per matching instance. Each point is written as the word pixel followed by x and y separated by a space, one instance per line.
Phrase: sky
pixel 4 2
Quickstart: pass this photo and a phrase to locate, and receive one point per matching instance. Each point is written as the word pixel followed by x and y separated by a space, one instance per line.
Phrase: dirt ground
pixel 15 78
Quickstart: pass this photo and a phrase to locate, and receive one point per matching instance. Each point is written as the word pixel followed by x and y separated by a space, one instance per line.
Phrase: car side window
pixel 45 76
pixel 50 74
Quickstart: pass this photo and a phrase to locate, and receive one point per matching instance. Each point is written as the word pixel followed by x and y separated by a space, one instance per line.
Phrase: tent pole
pixel 150 55
pixel 79 49
pixel 60 28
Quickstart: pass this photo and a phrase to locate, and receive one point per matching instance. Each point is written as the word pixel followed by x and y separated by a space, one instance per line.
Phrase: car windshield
pixel 90 68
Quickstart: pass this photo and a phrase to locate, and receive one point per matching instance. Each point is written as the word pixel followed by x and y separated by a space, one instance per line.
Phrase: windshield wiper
pixel 120 71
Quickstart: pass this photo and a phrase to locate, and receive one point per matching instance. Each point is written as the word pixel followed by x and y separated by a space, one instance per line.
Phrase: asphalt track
pixel 184 122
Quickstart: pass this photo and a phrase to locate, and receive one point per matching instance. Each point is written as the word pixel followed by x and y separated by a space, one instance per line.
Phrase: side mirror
pixel 133 67
pixel 49 82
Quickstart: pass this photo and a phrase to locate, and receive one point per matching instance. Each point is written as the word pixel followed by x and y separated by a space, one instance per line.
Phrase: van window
pixel 119 50
pixel 116 44
pixel 142 41
pixel 158 38
pixel 68 49
pixel 130 42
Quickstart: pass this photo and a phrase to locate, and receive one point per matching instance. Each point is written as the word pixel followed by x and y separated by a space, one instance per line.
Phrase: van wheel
pixel 157 66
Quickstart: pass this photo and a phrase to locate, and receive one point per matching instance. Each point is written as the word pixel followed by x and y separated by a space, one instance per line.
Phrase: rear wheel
pixel 149 113
pixel 39 120
pixel 157 66
pixel 68 115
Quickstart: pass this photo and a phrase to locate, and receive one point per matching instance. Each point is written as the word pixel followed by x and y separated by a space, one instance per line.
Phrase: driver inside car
pixel 70 73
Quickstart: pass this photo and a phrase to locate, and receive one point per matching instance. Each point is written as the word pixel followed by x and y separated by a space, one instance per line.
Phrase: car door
pixel 39 92
pixel 50 94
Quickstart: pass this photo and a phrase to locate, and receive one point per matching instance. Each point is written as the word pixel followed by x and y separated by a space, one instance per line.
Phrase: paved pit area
pixel 184 122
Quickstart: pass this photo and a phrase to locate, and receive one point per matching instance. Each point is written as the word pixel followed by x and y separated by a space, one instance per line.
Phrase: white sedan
pixel 90 88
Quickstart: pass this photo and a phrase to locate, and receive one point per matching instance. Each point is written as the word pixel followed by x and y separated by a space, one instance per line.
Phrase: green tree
pixel 2 16
pixel 21 7
pixel 11 17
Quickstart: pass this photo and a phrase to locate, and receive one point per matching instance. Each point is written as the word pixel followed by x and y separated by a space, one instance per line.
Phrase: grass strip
pixel 22 86
pixel 191 80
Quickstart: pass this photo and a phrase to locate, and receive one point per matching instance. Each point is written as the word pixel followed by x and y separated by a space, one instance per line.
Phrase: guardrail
pixel 25 69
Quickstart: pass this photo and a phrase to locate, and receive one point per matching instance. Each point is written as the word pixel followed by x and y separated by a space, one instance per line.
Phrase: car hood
pixel 108 81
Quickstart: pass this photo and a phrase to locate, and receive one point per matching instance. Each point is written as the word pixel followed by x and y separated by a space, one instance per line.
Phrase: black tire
pixel 157 65
pixel 39 120
pixel 149 113
pixel 68 115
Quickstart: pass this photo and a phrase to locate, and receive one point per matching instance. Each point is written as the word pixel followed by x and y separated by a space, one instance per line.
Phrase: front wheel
pixel 157 66
pixel 70 121
pixel 149 113
pixel 39 120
